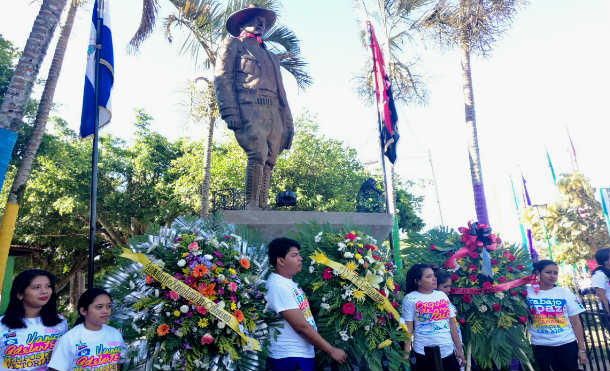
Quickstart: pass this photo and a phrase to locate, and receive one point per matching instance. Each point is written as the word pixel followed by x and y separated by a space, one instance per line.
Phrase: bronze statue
pixel 252 100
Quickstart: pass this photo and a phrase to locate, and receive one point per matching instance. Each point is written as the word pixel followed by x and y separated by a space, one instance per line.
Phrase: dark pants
pixel 291 364
pixel 557 358
pixel 423 363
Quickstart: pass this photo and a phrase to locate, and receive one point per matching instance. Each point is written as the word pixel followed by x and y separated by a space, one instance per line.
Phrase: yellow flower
pixel 358 295
pixel 358 256
pixel 495 270
pixel 390 284
pixel 233 306
pixel 184 254
pixel 219 270
pixel 185 270
pixel 350 265
pixel 232 271
pixel 384 344
pixel 177 313
pixel 359 245
pixel 203 322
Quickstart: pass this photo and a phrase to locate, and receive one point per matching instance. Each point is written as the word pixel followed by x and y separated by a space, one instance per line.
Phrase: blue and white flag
pixel 106 74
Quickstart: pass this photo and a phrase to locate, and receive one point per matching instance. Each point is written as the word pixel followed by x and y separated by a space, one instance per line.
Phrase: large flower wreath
pixel 353 296
pixel 492 310
pixel 197 258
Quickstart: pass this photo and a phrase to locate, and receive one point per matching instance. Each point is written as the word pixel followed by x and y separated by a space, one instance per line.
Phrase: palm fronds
pixel 147 24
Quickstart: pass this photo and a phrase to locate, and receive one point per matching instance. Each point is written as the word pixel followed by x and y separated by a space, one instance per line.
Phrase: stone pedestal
pixel 271 224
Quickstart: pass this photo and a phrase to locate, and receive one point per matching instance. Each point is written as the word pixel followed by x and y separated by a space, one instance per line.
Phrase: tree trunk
pixel 44 108
pixel 20 87
pixel 205 184
pixel 77 287
pixel 476 172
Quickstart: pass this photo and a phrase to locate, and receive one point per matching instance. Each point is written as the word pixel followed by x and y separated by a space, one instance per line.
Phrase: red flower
pixel 376 257
pixel 486 285
pixel 462 321
pixel 523 319
pixel 350 236
pixel 509 268
pixel 369 247
pixel 472 267
pixel 327 274
pixel 524 293
pixel 494 262
pixel 395 304
pixel 348 308
pixel 467 299
pixel 472 277
pixel 502 279
pixel 519 267
pixel 454 277
pixel 381 320
pixel 432 247
pixel 514 293
pixel 496 307
pixel 473 255
pixel 511 258
pixel 382 292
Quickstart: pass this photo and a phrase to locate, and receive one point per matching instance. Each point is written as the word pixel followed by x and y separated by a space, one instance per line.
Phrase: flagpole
pixel 94 154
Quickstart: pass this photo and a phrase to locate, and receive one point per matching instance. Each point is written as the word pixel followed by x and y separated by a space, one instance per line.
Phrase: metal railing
pixel 597 331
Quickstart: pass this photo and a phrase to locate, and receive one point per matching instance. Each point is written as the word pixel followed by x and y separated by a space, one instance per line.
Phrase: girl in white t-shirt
pixel 90 344
pixel 556 333
pixel 30 326
pixel 600 279
pixel 428 314
pixel 443 283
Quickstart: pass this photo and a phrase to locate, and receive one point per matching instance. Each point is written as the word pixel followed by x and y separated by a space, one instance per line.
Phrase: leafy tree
pixel 8 57
pixel 575 221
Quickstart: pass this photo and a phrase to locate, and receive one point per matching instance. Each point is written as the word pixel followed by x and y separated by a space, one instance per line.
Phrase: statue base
pixel 272 223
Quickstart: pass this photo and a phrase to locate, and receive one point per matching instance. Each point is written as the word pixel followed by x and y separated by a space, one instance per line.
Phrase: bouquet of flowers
pixel 180 334
pixel 353 296
pixel 488 291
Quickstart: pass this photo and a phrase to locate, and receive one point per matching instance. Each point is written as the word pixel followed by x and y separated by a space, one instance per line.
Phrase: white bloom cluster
pixel 344 335
pixel 325 306
pixel 347 293
pixel 184 308
pixel 311 269
pixel 499 295
pixel 181 263
pixel 348 255
pixel 318 237
pixel 208 257
pixel 483 308
pixel 341 246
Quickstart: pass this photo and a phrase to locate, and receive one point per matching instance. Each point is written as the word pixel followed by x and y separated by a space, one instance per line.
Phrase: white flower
pixel 221 324
pixel 344 335
pixel 184 308
pixel 341 246
pixel 156 293
pixel 168 314
pixel 221 277
pixel 181 263
pixel 221 304
pixel 348 255
pixel 311 269
pixel 373 279
pixel 499 295
pixel 208 257
pixel 132 285
pixel 179 333
pixel 483 308
pixel 370 259
pixel 224 244
pixel 197 252
pixel 335 272
pixel 360 261
pixel 325 306
pixel 318 237
pixel 367 328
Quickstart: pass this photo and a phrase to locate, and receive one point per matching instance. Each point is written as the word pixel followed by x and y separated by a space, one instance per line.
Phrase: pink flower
pixel 454 277
pixel 382 292
pixel 514 293
pixel 486 285
pixel 395 304
pixel 467 299
pixel 472 267
pixel 472 277
pixel 193 246
pixel 357 316
pixel 523 319
pixel 207 339
pixel 380 320
pixel 519 267
pixel 496 307
pixel 524 293
pixel 201 310
pixel 232 286
pixel 462 321
pixel 510 269
pixel 473 255
pixel 348 308
pixel 369 247
pixel 376 257
pixel 432 247
pixel 217 254
pixel 174 295
pixel 502 279
pixel 326 274
pixel 494 262
pixel 226 237
pixel 350 236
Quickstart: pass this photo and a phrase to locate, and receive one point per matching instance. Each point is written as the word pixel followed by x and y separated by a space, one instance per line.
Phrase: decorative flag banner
pixel 385 100
pixel 105 78
pixel 605 198
pixel 548 159
pixel 191 295
pixel 528 202
pixel 521 228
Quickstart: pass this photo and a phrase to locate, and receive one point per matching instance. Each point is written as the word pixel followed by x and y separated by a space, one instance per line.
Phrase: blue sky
pixel 550 72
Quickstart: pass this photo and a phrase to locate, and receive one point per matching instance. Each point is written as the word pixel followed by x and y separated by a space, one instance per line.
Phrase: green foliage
pixel 575 222
pixel 8 58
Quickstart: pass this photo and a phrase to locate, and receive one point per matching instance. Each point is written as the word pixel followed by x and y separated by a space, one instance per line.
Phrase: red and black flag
pixel 388 118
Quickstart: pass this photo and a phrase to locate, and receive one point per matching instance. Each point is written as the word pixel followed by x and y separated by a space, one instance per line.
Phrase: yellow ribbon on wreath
pixel 191 295
pixel 361 283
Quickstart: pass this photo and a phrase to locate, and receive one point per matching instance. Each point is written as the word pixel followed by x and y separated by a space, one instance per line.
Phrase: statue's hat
pixel 239 17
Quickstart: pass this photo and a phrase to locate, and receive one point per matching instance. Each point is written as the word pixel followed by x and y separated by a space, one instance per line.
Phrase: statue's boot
pixel 254 175
pixel 263 197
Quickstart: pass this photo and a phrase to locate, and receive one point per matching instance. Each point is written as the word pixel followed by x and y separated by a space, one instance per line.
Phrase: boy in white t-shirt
pixel 600 280
pixel 293 349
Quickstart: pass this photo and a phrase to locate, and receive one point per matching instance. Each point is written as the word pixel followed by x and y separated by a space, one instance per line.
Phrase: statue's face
pixel 256 25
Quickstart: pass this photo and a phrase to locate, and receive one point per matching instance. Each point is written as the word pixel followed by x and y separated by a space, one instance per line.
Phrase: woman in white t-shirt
pixel 30 326
pixel 90 344
pixel 556 333
pixel 600 279
pixel 428 314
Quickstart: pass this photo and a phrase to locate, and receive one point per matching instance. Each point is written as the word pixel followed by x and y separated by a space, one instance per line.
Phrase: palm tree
pixel 473 26
pixel 205 21
pixel 20 87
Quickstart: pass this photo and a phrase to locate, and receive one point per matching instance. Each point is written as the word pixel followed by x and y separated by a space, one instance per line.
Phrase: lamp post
pixel 541 211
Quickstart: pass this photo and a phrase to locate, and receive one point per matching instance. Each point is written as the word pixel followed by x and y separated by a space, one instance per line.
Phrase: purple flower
pixel 187 346
pixel 359 251
pixel 217 254
pixel 219 263
pixel 357 316
pixel 221 291
pixel 189 314
pixel 226 237
pixel 178 276
pixel 177 239
pixel 188 280
pixel 233 297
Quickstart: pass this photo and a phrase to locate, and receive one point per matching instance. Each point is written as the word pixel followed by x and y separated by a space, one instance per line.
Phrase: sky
pixel 547 76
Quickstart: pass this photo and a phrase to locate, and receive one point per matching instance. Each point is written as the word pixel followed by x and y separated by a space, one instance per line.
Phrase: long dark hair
pixel 85 301
pixel 415 274
pixel 15 312
pixel 441 275
pixel 541 264
pixel 601 257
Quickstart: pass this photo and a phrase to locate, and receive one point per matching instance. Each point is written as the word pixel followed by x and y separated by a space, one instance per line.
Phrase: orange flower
pixel 213 267
pixel 163 329
pixel 209 290
pixel 239 316
pixel 245 263
pixel 149 280
pixel 199 270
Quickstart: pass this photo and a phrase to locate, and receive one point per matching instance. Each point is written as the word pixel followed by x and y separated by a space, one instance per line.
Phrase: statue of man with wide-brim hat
pixel 252 100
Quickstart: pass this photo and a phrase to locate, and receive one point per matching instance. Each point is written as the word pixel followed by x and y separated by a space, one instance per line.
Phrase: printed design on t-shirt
pixel 106 357
pixel 36 352
pixel 548 315
pixel 303 303
pixel 432 317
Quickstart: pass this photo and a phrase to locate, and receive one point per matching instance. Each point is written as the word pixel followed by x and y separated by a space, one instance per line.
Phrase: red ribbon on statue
pixel 494 288
pixel 471 245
